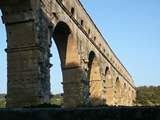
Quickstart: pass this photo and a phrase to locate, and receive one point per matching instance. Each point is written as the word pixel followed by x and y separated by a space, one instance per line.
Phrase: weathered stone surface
pixel 92 73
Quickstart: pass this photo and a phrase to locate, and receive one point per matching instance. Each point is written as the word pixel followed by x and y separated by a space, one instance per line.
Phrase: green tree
pixel 148 96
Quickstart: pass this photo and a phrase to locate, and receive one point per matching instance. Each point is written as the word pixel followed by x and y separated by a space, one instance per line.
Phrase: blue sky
pixel 132 29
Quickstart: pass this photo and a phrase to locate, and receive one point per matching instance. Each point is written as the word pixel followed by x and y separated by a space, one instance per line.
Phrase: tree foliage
pixel 57 100
pixel 148 96
pixel 2 101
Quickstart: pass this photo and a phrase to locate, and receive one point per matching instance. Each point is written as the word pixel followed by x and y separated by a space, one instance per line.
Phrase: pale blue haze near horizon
pixel 131 28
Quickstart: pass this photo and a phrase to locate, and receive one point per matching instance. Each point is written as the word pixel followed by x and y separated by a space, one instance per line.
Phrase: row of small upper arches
pixel 118 83
pixel 72 11
pixel 89 31
pixel 103 50
pixel 82 23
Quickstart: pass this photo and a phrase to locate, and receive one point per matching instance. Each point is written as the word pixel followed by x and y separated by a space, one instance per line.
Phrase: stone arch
pixel 66 44
pixel 70 63
pixel 117 91
pixel 133 96
pixel 94 77
pixel 129 96
pixel 108 86
pixel 124 87
pixel 72 11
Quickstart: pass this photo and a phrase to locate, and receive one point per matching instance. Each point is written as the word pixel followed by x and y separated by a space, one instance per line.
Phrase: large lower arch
pixel 94 77
pixel 71 71
pixel 109 87
pixel 61 34
pixel 117 91
pixel 66 44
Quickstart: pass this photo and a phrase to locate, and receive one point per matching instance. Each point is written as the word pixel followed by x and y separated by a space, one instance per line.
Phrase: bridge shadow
pixel 92 102
pixel 96 102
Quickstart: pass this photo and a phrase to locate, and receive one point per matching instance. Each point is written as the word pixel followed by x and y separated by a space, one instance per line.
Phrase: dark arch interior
pixel 117 82
pixel 117 90
pixel 82 22
pixel 117 85
pixel 60 37
pixel 90 58
pixel 59 50
pixel 72 11
pixel 94 78
pixel 109 87
pixel 106 71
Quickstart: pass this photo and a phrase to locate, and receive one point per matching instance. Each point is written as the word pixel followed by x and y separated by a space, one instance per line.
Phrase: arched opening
pixel 109 87
pixel 94 77
pixel 82 22
pixel 94 38
pixel 60 36
pixel 117 91
pixel 59 50
pixel 117 83
pixel 91 58
pixel 3 63
pixel 104 94
pixel 133 97
pixel 89 31
pixel 66 44
pixel 129 96
pixel 56 77
pixel 124 93
pixel 67 49
pixel 106 73
pixel 72 11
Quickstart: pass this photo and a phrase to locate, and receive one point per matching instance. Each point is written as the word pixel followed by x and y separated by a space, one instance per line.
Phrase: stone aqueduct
pixel 92 74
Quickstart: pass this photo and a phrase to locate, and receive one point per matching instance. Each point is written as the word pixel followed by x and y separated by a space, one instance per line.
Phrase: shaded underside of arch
pixel 94 77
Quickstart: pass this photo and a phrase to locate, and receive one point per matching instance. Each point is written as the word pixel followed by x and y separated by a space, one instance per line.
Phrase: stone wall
pixel 92 74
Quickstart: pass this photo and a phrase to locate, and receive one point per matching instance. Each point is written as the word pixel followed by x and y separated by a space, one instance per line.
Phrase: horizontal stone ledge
pixel 12 20
pixel 70 67
pixel 22 49
pixel 70 83
pixel 92 113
